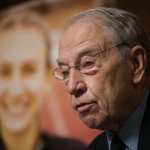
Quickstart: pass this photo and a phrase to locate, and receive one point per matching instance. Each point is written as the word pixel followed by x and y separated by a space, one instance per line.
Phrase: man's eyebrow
pixel 88 51
pixel 84 52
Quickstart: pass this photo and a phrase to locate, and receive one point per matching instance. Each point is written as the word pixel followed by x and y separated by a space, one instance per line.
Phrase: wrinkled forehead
pixel 82 35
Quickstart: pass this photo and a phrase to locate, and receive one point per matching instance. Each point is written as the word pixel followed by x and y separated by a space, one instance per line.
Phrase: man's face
pixel 22 76
pixel 102 96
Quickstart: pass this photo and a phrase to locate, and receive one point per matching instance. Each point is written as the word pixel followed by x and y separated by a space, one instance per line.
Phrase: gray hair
pixel 125 26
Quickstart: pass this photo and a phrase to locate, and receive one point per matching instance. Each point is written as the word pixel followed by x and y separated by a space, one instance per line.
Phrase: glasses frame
pixel 78 66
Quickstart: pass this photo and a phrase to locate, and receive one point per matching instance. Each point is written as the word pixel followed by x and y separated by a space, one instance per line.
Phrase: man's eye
pixel 65 73
pixel 87 64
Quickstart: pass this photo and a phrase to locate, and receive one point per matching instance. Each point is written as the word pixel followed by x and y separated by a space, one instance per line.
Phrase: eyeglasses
pixel 87 66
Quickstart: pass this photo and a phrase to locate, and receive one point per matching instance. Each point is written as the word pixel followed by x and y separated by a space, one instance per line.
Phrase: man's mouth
pixel 84 107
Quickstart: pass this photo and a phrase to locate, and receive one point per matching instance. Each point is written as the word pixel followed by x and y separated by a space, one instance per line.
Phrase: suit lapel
pixel 100 143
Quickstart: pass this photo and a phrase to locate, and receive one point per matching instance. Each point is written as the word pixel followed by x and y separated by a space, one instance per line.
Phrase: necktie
pixel 117 144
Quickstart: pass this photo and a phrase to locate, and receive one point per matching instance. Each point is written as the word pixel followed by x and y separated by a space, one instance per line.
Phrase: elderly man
pixel 104 63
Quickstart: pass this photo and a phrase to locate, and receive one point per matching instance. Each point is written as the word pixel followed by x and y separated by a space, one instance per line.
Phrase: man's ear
pixel 138 59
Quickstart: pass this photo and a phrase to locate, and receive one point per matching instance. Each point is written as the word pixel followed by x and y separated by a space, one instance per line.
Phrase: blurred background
pixel 57 116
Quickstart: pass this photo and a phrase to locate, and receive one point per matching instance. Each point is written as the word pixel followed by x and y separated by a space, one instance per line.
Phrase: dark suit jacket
pixel 100 142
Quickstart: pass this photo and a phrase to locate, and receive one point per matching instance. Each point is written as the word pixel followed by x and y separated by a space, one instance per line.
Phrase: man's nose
pixel 75 84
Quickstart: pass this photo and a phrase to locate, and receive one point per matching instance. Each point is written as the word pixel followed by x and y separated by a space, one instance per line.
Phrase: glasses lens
pixel 58 74
pixel 89 66
pixel 61 73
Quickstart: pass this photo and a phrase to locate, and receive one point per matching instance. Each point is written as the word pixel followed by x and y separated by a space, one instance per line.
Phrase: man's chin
pixel 94 121
pixel 90 122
